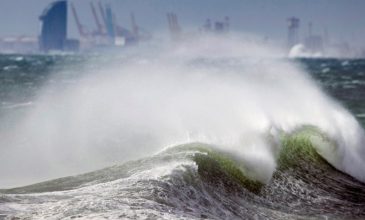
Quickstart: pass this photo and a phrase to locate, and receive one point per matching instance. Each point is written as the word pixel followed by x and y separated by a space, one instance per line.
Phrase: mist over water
pixel 234 93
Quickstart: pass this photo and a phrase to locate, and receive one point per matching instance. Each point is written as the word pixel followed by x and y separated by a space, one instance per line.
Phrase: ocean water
pixel 204 132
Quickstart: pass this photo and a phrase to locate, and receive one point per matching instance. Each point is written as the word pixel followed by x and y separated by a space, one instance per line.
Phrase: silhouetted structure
pixel 54 29
pixel 174 27
pixel 107 34
pixel 219 26
pixel 80 27
pixel 226 23
pixel 100 27
pixel 135 28
pixel 109 22
pixel 54 26
pixel 313 43
pixel 293 32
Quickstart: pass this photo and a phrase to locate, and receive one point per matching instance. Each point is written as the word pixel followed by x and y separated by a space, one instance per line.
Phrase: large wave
pixel 232 93
pixel 194 181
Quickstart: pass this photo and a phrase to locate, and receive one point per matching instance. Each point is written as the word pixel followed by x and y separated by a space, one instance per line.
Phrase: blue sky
pixel 344 19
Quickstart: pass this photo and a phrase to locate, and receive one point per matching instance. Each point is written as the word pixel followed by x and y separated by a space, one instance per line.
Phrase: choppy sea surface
pixel 313 172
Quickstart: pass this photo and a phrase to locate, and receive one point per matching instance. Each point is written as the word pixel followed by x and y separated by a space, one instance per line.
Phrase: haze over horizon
pixel 344 20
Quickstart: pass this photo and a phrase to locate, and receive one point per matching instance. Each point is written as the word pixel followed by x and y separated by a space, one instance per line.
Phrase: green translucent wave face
pixel 304 145
pixel 298 150
pixel 303 186
pixel 214 164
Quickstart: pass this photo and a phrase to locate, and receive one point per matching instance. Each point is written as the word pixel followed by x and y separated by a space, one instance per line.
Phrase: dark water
pixel 21 76
pixel 342 79
pixel 195 180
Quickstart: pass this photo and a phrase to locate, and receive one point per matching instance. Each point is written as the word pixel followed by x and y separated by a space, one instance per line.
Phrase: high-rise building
pixel 293 32
pixel 54 27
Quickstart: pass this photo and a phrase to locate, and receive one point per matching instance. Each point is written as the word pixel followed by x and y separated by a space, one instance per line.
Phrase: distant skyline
pixel 343 19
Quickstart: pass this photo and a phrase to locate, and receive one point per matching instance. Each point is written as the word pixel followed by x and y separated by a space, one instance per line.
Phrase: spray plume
pixel 231 92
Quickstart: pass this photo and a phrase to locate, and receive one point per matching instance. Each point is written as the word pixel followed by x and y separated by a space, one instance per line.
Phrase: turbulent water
pixel 212 132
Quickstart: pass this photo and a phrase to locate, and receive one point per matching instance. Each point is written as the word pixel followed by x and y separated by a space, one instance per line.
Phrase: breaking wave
pixel 198 180
pixel 239 133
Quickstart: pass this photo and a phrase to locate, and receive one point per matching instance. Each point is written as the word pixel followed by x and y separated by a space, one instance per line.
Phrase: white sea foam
pixel 229 92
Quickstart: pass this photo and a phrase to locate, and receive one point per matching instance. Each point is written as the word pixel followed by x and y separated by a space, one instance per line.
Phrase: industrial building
pixel 109 34
pixel 53 35
pixel 293 32
pixel 209 27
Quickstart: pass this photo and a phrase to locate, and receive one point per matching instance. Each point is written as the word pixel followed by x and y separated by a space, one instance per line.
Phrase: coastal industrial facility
pixel 108 34
pixel 316 44
pixel 53 35
pixel 54 29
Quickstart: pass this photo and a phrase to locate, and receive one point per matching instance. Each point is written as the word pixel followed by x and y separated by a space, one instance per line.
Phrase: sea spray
pixel 232 93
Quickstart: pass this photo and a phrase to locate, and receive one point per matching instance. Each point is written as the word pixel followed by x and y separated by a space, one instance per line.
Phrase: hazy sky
pixel 344 19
